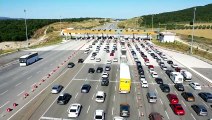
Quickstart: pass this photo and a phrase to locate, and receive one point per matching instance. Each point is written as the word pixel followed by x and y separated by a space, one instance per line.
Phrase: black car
pixel 91 70
pixel 159 80
pixel 179 86
pixel 206 96
pixel 141 72
pixel 107 68
pixel 138 63
pixel 80 60
pixel 200 110
pixel 94 54
pixel 99 70
pixel 188 96
pixel 71 65
pixel 170 62
pixel 161 63
pixel 85 88
pixel 63 98
pixel 124 110
pixel 165 88
pixel 105 82
pixel 168 72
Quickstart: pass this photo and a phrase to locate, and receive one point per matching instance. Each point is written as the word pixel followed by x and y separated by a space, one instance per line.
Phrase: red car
pixel 146 59
pixel 111 54
pixel 178 109
pixel 177 69
pixel 173 98
pixel 151 67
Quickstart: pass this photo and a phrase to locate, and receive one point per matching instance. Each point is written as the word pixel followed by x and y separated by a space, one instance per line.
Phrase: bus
pixel 125 79
pixel 28 59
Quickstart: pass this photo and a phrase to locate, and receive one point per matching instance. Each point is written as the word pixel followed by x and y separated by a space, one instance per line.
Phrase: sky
pixel 55 9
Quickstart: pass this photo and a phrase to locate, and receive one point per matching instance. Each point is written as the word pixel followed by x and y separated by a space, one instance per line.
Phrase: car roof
pixel 100 93
pixel 99 112
pixel 56 86
pixel 74 106
pixel 152 93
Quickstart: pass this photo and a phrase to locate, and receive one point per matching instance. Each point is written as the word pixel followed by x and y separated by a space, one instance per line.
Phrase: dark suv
pixel 105 82
pixel 99 70
pixel 63 99
pixel 124 110
pixel 179 86
pixel 159 80
pixel 165 88
pixel 206 96
pixel 155 116
pixel 91 70
pixel 200 110
pixel 71 65
pixel 80 60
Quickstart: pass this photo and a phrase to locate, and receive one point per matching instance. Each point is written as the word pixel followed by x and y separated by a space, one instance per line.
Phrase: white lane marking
pixel 76 95
pixel 167 115
pixel 52 118
pixel 26 72
pixel 193 116
pixel 161 101
pixel 139 112
pixel 88 108
pixel 206 105
pixel 93 96
pixel 4 104
pixel 176 92
pixel 18 84
pixel 183 103
pixel 137 99
pixel 115 88
pixel 114 97
pixel 4 92
pixel 156 91
pixel 135 89
pixel 38 72
pixel 97 86
pixel 112 110
pixel 29 77
pixel 20 93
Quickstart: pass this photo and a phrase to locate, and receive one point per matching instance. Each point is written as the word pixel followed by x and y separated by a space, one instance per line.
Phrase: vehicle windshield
pixel 73 110
pixel 99 96
pixel 98 117
pixel 22 60
pixel 125 108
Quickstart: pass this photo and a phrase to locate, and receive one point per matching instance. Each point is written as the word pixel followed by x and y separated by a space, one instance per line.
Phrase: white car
pixel 105 75
pixel 163 67
pixel 99 115
pixel 174 65
pixel 119 118
pixel 100 96
pixel 147 63
pixel 151 70
pixel 74 110
pixel 115 60
pixel 165 58
pixel 98 59
pixel 92 58
pixel 144 84
pixel 86 52
pixel 195 85
pixel 109 61
pixel 154 74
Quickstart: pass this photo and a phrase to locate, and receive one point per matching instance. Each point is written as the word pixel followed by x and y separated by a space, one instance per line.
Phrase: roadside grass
pixel 184 48
pixel 7 51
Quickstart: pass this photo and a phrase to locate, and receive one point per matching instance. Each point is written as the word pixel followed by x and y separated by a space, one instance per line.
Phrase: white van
pixel 176 77
pixel 187 75
pixel 100 96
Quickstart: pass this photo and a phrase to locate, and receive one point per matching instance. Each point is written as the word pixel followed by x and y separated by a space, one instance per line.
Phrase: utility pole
pixel 192 38
pixel 60 23
pixel 26 30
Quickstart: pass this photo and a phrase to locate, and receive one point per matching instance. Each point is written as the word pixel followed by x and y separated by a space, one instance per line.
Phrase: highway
pixel 15 81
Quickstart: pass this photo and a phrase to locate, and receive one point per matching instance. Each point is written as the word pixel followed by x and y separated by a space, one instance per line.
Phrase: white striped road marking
pixel 156 91
pixel 183 103
pixel 176 92
pixel 29 77
pixel 20 93
pixel 76 95
pixel 88 108
pixel 114 97
pixel 4 104
pixel 161 101
pixel 52 118
pixel 4 92
pixel 93 96
pixel 193 116
pixel 18 84
pixel 112 110
pixel 167 115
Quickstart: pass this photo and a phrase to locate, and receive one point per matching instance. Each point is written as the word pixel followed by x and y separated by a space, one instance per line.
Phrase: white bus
pixel 28 59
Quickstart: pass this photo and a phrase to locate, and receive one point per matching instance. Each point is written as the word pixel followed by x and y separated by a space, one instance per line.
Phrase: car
pixel 172 98
pixel 86 52
pixel 151 70
pixel 154 74
pixel 63 98
pixel 99 115
pixel 115 60
pixel 179 86
pixel 124 110
pixel 99 70
pixel 74 110
pixel 165 58
pixel 107 68
pixel 144 84
pixel 105 75
pixel 111 54
pixel 56 89
pixel 98 59
pixel 155 116
pixel 91 70
pixel 161 63
pixel 159 80
pixel 165 88
pixel 119 118
pixel 71 65
pixel 109 61
pixel 195 85
pixel 85 88
pixel 178 69
pixel 168 72
pixel 80 60
pixel 151 67
pixel 163 67
pixel 92 58
pixel 200 110
pixel 170 62
pixel 105 82
pixel 206 96
pixel 100 96
pixel 107 51
pixel 178 109
pixel 174 65
pixel 94 54
pixel 188 96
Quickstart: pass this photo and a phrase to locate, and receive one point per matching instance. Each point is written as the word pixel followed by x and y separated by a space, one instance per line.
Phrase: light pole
pixel 26 30
pixel 192 37
pixel 60 23
pixel 152 22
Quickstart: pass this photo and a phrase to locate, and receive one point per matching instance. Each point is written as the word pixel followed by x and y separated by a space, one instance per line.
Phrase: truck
pixel 125 78
pixel 176 77
pixel 186 75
